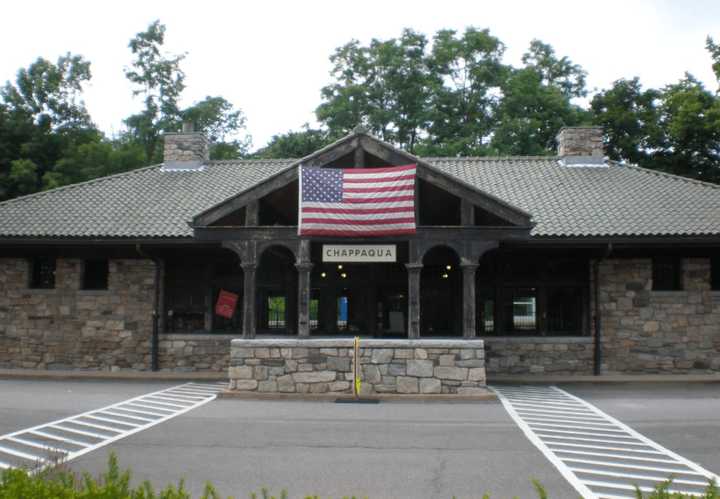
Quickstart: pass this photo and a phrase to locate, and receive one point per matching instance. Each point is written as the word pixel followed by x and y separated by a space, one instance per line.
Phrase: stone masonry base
pixel 317 366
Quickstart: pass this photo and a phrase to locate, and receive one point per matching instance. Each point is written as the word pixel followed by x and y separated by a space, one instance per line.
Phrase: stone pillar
pixel 413 270
pixel 468 302
pixel 249 284
pixel 304 270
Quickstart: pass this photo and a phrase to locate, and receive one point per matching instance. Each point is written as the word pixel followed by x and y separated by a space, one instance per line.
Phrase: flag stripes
pixel 357 202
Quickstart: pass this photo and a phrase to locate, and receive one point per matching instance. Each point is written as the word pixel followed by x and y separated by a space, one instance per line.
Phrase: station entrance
pixel 367 299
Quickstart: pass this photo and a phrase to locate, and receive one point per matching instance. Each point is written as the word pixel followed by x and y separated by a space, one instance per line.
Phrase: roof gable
pixel 357 144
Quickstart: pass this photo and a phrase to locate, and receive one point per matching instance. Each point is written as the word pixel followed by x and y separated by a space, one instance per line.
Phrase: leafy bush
pixel 60 483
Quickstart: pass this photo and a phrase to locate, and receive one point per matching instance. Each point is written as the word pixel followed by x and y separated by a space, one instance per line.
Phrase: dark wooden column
pixel 467 212
pixel 303 270
pixel 304 267
pixel 468 302
pixel 413 270
pixel 249 285
pixel 252 213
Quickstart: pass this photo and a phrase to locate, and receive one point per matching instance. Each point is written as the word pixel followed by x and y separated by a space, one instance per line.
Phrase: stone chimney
pixel 186 150
pixel 584 141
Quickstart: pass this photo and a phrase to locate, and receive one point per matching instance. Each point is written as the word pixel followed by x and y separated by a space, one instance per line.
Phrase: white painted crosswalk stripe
pixel 40 446
pixel 599 455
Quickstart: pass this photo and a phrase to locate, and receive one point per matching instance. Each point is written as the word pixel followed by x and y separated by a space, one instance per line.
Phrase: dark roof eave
pixel 96 240
pixel 624 240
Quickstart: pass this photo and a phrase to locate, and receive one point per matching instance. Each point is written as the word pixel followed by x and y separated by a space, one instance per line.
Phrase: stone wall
pixel 195 352
pixel 646 331
pixel 69 328
pixel 388 366
pixel 539 355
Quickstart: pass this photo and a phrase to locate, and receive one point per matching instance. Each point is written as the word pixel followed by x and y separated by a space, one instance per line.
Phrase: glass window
pixel 521 310
pixel 95 274
pixel 667 273
pixel 487 318
pixel 314 308
pixel 276 312
pixel 42 272
pixel 564 310
pixel 715 273
pixel 343 306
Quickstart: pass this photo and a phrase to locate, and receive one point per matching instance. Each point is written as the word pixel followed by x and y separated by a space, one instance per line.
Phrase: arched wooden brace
pixel 247 251
pixel 470 253
pixel 250 253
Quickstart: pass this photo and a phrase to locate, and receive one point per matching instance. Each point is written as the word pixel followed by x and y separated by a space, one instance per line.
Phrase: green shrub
pixel 662 491
pixel 60 483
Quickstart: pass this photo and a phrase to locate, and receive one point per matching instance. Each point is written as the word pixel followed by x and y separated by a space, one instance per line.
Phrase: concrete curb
pixel 609 378
pixel 329 397
pixel 112 375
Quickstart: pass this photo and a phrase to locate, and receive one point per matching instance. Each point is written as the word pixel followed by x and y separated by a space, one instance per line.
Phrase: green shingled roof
pixel 617 200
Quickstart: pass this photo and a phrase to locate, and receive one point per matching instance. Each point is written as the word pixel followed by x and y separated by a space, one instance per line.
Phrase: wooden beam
pixel 333 154
pixel 484 201
pixel 467 212
pixel 383 152
pixel 252 213
pixel 423 233
pixel 413 272
pixel 253 194
pixel 359 157
pixel 468 300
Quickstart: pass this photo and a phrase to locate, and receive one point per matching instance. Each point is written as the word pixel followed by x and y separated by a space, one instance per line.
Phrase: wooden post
pixel 252 213
pixel 359 157
pixel 249 284
pixel 467 212
pixel 303 270
pixel 468 301
pixel 304 267
pixel 414 270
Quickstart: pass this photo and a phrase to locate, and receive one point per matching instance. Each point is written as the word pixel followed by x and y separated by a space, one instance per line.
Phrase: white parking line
pixel 600 456
pixel 41 446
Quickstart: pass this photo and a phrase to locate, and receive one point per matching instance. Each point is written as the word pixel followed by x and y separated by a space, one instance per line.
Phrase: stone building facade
pixel 646 331
pixel 512 253
pixel 643 331
pixel 70 328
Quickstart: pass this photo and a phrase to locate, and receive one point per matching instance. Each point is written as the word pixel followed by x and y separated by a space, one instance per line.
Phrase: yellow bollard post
pixel 356 367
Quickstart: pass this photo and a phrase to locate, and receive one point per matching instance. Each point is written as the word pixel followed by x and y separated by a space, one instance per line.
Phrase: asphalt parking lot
pixel 393 449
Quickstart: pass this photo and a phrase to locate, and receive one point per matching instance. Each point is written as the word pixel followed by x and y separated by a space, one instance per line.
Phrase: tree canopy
pixel 447 94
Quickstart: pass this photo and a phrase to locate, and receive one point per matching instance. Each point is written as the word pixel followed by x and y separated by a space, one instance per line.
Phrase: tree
pixel 42 114
pixel 559 73
pixel 51 92
pixel 629 116
pixel 93 160
pixel 467 73
pixel 714 50
pixel 294 144
pixel 384 86
pixel 160 80
pixel 23 176
pixel 536 103
pixel 675 129
pixel 689 116
pixel 222 124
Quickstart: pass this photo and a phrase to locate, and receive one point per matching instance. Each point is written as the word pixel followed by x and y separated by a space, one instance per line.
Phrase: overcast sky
pixel 270 58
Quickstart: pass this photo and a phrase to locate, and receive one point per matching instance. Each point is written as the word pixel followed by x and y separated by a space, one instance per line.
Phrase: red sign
pixel 226 303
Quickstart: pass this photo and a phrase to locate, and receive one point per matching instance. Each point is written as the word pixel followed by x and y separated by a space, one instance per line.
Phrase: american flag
pixel 357 202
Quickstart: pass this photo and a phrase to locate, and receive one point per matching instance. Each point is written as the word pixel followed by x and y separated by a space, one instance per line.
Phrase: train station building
pixel 565 264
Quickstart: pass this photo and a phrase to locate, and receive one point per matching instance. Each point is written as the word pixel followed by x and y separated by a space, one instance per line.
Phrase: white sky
pixel 270 58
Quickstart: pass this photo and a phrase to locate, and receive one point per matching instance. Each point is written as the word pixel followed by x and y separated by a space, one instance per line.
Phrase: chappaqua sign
pixel 359 253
